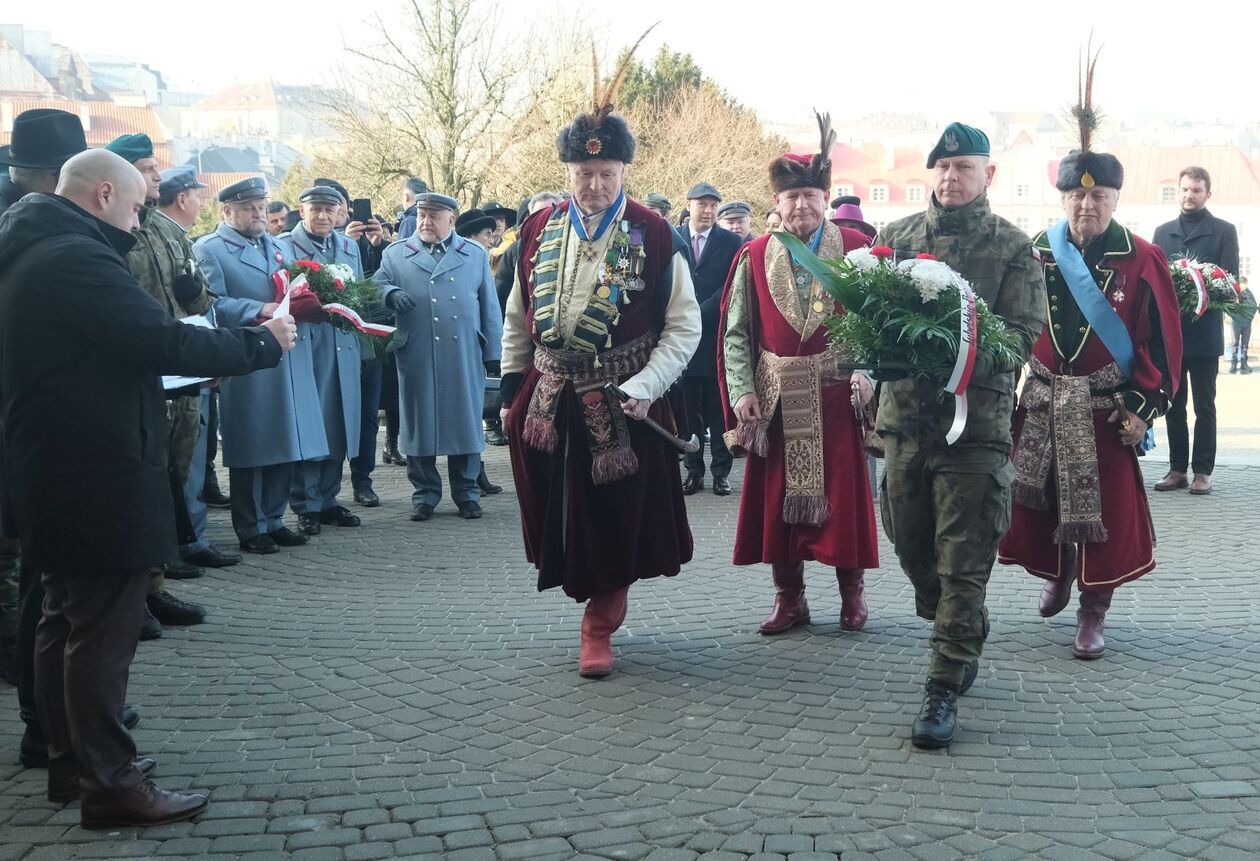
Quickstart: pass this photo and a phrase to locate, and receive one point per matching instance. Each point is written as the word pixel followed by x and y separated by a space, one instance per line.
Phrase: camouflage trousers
pixel 944 509
pixel 185 418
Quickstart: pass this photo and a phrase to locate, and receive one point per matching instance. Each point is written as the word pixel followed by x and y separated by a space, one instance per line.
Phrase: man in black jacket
pixel 711 250
pixel 1199 235
pixel 89 352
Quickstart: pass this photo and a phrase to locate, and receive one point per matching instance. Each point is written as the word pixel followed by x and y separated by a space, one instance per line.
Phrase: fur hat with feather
pixel 799 171
pixel 601 133
pixel 1082 167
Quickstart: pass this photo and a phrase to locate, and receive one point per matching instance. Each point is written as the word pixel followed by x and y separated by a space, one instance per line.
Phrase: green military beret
pixel 958 139
pixel 131 147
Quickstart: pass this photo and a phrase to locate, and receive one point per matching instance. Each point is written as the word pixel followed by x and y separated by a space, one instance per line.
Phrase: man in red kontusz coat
pixel 806 496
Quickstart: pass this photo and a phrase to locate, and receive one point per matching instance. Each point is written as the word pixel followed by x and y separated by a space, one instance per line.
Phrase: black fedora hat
pixel 494 209
pixel 474 221
pixel 43 138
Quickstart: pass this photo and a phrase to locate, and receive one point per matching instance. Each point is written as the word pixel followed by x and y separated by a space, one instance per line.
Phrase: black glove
pixel 492 368
pixel 398 300
pixel 186 289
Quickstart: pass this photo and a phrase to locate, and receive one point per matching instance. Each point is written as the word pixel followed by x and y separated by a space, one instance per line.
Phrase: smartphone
pixel 361 209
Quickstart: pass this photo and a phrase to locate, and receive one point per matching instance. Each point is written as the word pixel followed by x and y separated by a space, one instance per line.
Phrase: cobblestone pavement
pixel 401 690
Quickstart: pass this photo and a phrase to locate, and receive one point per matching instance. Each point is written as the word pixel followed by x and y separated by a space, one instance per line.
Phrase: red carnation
pixel 341 287
pixel 1218 273
pixel 925 256
pixel 309 264
pixel 883 252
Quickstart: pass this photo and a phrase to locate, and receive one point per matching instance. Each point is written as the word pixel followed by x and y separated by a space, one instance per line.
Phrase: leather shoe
pixel 495 436
pixel 1202 484
pixel 469 510
pixel 130 717
pixel 308 522
pixel 392 455
pixel 169 610
pixel 488 487
pixel 261 544
pixel 339 515
pixel 721 487
pixel 1172 481
pixel 937 722
pixel 181 569
pixel 215 498
pixel 286 537
pixel 212 557
pixel 367 498
pixel 692 484
pixel 64 788
pixel 139 807
pixel 423 511
pixel 150 627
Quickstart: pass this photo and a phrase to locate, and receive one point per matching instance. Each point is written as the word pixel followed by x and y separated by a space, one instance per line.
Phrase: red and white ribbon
pixel 1199 284
pixel 965 364
pixel 359 323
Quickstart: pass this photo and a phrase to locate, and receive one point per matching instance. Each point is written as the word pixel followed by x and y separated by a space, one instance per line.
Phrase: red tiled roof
pixel 106 120
pixel 258 95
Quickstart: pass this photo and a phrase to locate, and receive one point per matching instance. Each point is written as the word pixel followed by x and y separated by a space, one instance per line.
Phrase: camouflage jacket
pixel 997 259
pixel 162 254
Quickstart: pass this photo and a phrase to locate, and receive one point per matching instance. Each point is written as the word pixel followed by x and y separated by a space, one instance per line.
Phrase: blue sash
pixel 1092 302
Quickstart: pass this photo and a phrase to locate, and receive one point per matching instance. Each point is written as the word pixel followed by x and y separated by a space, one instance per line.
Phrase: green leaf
pixel 834 282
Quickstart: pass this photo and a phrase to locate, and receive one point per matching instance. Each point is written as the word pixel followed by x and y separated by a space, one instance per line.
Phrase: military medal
pixel 603 292
pixel 819 307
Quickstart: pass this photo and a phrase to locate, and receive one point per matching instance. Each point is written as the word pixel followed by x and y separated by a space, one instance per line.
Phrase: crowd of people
pixel 593 336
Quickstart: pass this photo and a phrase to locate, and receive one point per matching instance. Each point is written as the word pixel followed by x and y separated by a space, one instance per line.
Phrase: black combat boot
pixel 937 720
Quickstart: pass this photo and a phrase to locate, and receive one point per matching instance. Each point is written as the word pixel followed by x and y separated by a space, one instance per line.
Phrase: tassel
pixel 755 437
pixel 1028 496
pixel 610 466
pixel 541 434
pixel 810 510
pixel 1080 533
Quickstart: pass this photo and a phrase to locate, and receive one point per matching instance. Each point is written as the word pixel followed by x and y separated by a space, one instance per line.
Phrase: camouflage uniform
pixel 162 254
pixel 945 507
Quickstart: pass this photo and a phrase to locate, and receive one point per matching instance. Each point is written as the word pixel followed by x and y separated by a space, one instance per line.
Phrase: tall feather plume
pixel 1086 115
pixel 606 96
pixel 826 137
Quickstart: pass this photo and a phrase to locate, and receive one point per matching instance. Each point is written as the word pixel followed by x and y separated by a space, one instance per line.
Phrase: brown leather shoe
pixel 140 807
pixel 63 786
pixel 1202 484
pixel 1173 481
pixel 789 608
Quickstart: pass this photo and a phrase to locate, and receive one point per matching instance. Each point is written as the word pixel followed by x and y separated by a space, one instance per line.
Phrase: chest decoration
pixel 618 277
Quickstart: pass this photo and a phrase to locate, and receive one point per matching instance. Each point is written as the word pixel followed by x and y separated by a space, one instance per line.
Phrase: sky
pixel 1200 59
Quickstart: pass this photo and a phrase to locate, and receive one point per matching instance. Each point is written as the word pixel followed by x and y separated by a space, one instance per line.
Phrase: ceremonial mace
pixel 687 446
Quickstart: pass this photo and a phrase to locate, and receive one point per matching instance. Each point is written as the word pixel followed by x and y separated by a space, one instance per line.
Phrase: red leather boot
pixel 852 598
pixel 1089 644
pixel 604 615
pixel 1056 594
pixel 790 608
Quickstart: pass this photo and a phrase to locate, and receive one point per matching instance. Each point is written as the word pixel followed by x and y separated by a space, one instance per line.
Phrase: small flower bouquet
pixel 1202 287
pixel 329 293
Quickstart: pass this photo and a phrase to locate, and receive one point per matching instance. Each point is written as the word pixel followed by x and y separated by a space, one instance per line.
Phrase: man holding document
pixel 94 510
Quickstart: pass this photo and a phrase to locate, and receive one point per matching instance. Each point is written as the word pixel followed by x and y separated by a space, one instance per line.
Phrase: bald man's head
pixel 106 185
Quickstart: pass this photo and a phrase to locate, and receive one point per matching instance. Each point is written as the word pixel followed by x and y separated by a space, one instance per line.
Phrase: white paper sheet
pixel 173 382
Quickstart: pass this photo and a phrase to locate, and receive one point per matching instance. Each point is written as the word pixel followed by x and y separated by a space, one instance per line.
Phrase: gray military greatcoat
pixel 336 353
pixel 442 344
pixel 271 416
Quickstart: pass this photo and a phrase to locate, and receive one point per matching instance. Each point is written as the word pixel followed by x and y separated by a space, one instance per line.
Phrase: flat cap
pixel 658 200
pixel 959 139
pixel 132 147
pixel 735 209
pixel 703 189
pixel 320 194
pixel 433 200
pixel 247 189
pixel 179 178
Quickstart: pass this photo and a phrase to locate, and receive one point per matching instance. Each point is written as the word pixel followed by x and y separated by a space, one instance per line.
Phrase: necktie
pixel 698 242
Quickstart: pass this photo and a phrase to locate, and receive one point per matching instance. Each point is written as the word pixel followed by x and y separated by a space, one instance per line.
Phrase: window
pixel 844 189
pixel 879 194
pixel 879 226
pixel 1168 194
pixel 1023 224
pixel 1023 191
pixel 1244 267
pixel 914 193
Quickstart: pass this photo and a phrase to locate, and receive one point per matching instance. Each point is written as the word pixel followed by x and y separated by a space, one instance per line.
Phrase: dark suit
pixel 1206 238
pixel 90 357
pixel 704 402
